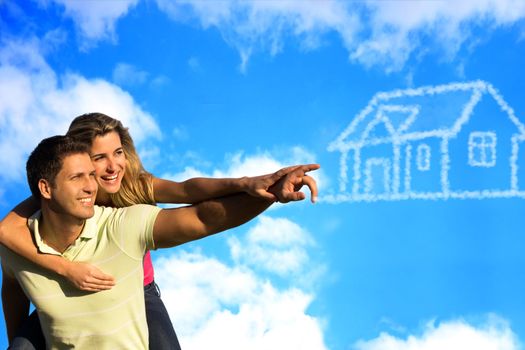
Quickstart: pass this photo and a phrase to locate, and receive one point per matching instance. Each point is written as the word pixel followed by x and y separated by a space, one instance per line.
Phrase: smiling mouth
pixel 112 178
pixel 88 200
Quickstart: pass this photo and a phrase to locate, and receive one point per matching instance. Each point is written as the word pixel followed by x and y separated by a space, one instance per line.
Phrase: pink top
pixel 148 269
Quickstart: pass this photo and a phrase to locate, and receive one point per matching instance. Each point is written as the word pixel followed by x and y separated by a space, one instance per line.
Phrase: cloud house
pixel 459 140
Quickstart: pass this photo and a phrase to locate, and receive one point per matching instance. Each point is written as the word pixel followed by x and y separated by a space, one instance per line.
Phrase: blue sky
pixel 233 88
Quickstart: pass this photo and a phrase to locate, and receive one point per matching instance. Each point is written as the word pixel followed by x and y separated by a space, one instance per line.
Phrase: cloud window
pixel 482 149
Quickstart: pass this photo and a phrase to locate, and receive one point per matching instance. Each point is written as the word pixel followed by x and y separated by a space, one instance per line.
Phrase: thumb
pixel 267 195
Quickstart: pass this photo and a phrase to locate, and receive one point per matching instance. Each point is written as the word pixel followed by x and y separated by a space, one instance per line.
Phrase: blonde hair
pixel 137 183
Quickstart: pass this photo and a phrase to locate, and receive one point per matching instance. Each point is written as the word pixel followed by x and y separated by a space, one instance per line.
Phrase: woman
pixel 122 182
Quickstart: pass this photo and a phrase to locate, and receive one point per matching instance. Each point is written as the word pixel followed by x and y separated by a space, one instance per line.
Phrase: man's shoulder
pixel 126 224
pixel 110 214
pixel 102 211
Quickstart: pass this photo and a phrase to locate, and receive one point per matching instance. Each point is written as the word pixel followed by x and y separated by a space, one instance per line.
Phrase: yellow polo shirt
pixel 115 241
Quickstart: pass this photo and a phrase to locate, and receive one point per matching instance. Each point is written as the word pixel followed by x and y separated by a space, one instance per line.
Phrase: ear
pixel 45 188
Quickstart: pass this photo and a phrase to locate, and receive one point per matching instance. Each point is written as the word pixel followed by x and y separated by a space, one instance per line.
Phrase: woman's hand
pixel 287 189
pixel 88 278
pixel 258 186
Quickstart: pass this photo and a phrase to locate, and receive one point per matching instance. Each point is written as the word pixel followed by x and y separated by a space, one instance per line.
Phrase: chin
pixel 86 214
pixel 111 189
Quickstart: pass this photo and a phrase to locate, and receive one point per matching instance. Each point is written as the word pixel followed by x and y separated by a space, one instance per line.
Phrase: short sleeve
pixel 132 228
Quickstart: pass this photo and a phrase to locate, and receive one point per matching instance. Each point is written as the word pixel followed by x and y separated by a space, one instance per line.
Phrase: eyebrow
pixel 78 173
pixel 103 153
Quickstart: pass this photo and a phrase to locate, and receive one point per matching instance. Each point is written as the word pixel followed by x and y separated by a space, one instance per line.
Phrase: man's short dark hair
pixel 47 159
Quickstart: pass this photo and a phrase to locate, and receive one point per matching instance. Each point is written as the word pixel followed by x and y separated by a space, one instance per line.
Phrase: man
pixel 61 176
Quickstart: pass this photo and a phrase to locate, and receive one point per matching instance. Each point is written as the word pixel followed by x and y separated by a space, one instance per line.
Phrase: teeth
pixel 110 178
pixel 86 200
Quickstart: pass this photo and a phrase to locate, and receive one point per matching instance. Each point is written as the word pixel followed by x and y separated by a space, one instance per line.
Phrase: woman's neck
pixel 103 199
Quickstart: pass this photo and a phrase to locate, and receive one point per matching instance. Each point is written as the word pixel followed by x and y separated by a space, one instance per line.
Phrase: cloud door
pixel 378 176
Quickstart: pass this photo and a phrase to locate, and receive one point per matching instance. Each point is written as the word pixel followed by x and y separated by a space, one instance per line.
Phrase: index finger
pixel 285 171
pixel 309 167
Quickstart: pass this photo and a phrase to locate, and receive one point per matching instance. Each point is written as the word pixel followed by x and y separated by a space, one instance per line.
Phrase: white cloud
pixel 255 25
pixel 96 19
pixel 188 173
pixel 35 103
pixel 240 165
pixel 493 334
pixel 400 28
pixel 263 162
pixel 276 245
pixel 180 133
pixel 126 74
pixel 194 64
pixel 375 33
pixel 214 305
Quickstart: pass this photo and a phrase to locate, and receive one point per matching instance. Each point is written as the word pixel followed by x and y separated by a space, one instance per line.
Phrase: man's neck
pixel 59 231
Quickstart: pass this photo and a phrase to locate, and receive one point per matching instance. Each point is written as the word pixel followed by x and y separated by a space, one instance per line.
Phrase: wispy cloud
pixel 126 74
pixel 384 34
pixel 194 64
pixel 35 103
pixel 252 26
pixel 399 29
pixel 180 133
pixel 381 34
pixel 215 304
pixel 493 334
pixel 95 20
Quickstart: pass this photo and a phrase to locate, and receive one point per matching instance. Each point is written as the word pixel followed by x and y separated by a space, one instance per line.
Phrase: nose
pixel 111 164
pixel 90 185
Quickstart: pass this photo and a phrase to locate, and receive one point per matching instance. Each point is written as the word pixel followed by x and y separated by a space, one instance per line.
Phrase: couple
pixel 59 264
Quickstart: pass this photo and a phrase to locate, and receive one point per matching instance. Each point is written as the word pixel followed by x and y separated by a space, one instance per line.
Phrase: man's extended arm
pixel 177 226
pixel 14 303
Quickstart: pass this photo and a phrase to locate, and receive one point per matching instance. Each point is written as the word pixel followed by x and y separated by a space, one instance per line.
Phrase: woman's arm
pixel 199 189
pixel 14 303
pixel 15 235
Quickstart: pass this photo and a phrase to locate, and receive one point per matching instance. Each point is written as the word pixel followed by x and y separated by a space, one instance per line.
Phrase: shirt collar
pixel 88 232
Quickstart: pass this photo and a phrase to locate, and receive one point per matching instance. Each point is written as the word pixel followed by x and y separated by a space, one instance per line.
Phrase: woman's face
pixel 109 160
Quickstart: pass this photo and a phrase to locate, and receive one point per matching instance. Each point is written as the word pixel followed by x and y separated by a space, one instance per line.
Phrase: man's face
pixel 75 187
